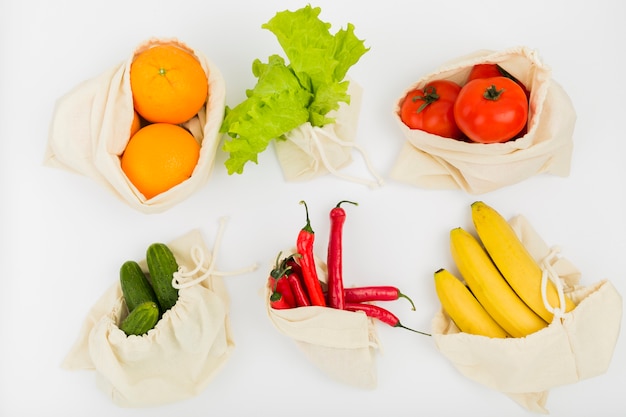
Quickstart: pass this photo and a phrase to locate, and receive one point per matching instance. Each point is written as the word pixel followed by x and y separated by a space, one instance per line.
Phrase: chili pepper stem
pixel 408 298
pixel 346 201
pixel 307 226
pixel 413 330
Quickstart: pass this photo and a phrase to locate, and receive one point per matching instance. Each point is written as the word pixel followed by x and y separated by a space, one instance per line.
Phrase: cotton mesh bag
pixel 431 161
pixel 181 355
pixel 308 152
pixel 575 346
pixel 91 126
pixel 340 343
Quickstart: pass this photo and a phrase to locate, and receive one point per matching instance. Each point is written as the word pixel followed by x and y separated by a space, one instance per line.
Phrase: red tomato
pixel 490 110
pixel 484 71
pixel 493 70
pixel 431 109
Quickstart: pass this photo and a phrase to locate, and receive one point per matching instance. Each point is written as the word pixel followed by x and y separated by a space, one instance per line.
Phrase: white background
pixel 63 237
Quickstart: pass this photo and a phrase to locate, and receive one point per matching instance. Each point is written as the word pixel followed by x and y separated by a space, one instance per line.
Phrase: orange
pixel 168 84
pixel 136 124
pixel 158 157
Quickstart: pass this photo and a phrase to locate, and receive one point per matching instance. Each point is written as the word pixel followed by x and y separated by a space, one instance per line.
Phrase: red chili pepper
pixel 334 259
pixel 304 245
pixel 381 314
pixel 283 287
pixel 302 299
pixel 278 281
pixel 293 264
pixel 278 302
pixel 374 293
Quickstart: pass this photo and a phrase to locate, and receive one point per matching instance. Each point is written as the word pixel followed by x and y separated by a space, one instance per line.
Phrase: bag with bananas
pixel 518 321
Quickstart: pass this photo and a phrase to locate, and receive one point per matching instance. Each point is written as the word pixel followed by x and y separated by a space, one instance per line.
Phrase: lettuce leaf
pixel 289 94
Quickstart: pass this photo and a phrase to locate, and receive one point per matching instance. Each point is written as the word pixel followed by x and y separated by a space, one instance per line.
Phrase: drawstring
pixel 548 272
pixel 182 277
pixel 317 130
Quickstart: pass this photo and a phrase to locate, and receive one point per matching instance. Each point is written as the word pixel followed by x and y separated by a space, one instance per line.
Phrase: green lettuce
pixel 289 94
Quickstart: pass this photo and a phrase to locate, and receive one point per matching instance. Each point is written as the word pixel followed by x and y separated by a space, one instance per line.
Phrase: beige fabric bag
pixel 91 124
pixel 180 356
pixel 342 344
pixel 575 346
pixel 308 152
pixel 431 161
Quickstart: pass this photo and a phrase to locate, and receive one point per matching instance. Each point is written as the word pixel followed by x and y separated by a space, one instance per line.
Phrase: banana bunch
pixel 501 296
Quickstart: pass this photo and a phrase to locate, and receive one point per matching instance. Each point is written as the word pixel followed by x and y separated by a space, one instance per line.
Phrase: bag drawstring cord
pixel 317 130
pixel 182 277
pixel 548 273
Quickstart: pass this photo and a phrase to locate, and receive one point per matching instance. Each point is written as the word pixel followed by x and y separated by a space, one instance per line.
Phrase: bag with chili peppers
pixel 341 343
pixel 91 127
pixel 432 161
pixel 574 346
pixel 177 358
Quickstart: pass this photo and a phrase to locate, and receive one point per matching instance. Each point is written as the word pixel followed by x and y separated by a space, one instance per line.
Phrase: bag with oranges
pixel 181 355
pixel 545 146
pixel 147 129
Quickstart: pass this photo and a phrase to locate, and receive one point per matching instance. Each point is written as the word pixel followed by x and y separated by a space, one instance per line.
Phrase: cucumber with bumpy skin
pixel 143 318
pixel 135 285
pixel 162 264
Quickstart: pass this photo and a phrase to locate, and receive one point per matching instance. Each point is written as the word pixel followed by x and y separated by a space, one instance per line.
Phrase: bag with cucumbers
pixel 152 340
pixel 573 346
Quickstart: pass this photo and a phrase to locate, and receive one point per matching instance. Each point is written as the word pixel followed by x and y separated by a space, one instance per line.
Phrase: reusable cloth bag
pixel 308 152
pixel 431 161
pixel 575 346
pixel 175 360
pixel 91 126
pixel 340 343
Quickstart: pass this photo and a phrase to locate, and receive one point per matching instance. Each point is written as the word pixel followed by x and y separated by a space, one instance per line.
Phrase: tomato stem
pixel 492 93
pixel 429 97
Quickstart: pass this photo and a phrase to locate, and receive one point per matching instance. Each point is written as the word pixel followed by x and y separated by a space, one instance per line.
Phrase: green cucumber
pixel 135 285
pixel 162 265
pixel 143 318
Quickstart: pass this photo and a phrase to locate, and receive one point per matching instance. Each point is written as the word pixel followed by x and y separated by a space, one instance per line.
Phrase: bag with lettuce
pixel 306 105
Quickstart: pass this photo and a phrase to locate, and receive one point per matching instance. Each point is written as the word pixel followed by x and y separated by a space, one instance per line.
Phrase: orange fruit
pixel 168 84
pixel 136 124
pixel 158 157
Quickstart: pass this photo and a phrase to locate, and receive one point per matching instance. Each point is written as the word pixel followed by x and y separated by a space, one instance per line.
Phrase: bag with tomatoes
pixel 92 125
pixel 484 121
pixel 341 343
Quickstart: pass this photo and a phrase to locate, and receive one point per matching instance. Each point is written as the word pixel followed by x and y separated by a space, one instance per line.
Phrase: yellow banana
pixel 514 261
pixel 463 308
pixel 490 288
